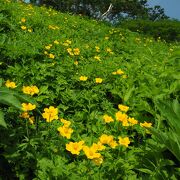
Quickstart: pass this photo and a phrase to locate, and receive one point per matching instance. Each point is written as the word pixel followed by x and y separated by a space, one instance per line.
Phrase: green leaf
pixel 147 171
pixel 176 108
pixel 1 82
pixel 25 98
pixel 9 99
pixel 128 94
pixel 167 109
pixel 2 122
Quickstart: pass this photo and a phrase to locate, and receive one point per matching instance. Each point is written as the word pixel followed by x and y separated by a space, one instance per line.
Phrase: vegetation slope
pixel 86 69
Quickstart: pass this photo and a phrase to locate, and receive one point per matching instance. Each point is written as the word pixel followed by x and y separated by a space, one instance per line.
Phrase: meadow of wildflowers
pixel 88 95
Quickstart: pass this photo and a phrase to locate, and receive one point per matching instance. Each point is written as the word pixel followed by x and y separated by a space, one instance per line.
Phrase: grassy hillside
pixel 106 82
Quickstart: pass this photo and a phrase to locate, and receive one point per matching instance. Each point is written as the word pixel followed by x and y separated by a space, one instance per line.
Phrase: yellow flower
pixel 30 30
pixel 132 121
pixel 76 51
pixel 23 27
pixel 67 43
pixel 120 72
pixel 105 139
pixel 171 49
pixel 121 117
pixel 69 50
pixel 23 20
pixel 65 131
pixel 123 108
pixel 91 153
pixel 75 147
pixel 98 80
pixel 98 146
pixel 48 47
pixel 125 123
pixel 109 50
pixel 146 124
pixel 98 161
pixel 51 27
pixel 10 84
pixel 107 118
pixel 97 48
pixel 56 42
pixel 24 115
pixel 76 63
pixel 28 106
pixel 114 73
pixel 124 76
pixel 65 122
pixel 30 90
pixel 31 120
pixel 97 58
pixel 45 52
pixel 124 141
pixel 50 114
pixel 83 78
pixel 52 56
pixel 113 144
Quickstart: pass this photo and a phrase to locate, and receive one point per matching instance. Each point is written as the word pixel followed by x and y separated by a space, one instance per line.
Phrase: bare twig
pixel 108 11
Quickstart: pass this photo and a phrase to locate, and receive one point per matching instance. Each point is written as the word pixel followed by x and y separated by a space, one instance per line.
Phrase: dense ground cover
pixel 96 94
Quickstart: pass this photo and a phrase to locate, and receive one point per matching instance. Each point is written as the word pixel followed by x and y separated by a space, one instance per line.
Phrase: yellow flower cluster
pixel 48 47
pixel 56 42
pixel 26 115
pixel 128 121
pixel 53 27
pixel 65 130
pixel 118 72
pixel 23 27
pixel 28 106
pixel 125 120
pixel 10 84
pixel 73 52
pixel 30 90
pixel 109 140
pixel 92 152
pixel 97 80
pixel 50 114
pixel 67 43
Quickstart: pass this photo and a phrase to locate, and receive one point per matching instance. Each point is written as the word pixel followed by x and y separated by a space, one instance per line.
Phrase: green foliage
pixel 60 56
pixel 170 137
pixel 167 30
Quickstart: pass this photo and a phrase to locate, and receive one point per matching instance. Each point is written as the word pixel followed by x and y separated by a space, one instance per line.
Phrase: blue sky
pixel 171 7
